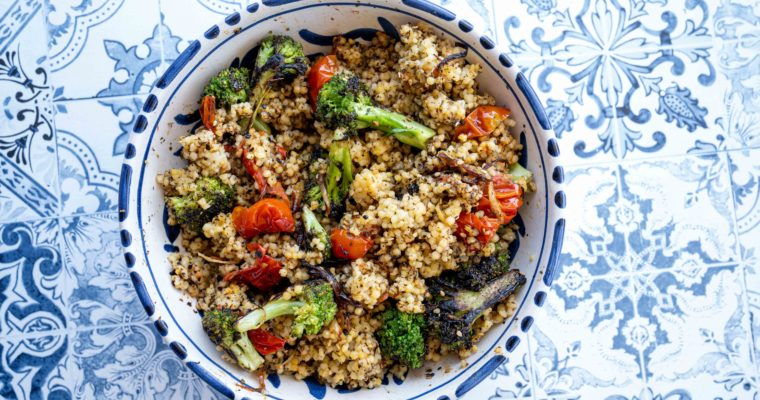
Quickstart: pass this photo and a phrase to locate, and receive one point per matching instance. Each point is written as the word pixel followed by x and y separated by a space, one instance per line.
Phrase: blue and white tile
pixel 737 19
pixel 98 290
pixel 92 138
pixel 97 48
pixel 737 62
pixel 32 280
pixel 567 366
pixel 553 29
pixel 30 367
pixel 511 380
pixel 713 349
pixel 478 12
pixel 746 188
pixel 126 362
pixel 28 182
pixel 634 223
pixel 176 13
pixel 601 71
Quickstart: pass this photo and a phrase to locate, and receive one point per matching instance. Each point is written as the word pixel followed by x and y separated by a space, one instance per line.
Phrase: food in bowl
pixel 348 216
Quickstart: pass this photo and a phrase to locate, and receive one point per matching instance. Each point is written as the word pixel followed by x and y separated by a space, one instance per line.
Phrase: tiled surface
pixel 657 109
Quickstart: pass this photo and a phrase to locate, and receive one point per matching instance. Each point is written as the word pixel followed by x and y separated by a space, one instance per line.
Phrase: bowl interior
pixel 171 111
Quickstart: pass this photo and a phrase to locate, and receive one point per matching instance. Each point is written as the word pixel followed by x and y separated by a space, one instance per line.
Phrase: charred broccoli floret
pixel 220 328
pixel 476 276
pixel 455 306
pixel 344 105
pixel 315 230
pixel 337 182
pixel 314 308
pixel 229 86
pixel 279 57
pixel 210 198
pixel 402 337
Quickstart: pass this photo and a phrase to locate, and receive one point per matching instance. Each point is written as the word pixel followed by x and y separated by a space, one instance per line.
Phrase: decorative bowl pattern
pixel 170 111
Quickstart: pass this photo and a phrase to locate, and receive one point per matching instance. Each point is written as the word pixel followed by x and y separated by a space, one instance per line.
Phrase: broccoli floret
pixel 220 328
pixel 314 308
pixel 229 86
pixel 454 307
pixel 340 175
pixel 315 230
pixel 402 337
pixel 279 57
pixel 476 276
pixel 344 105
pixel 216 197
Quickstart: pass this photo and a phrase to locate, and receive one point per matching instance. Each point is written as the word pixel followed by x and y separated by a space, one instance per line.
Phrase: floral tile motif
pixel 129 361
pixel 104 33
pixel 633 223
pixel 29 367
pixel 511 380
pixel 98 291
pixel 619 79
pixel 116 362
pixel 28 182
pixel 746 185
pixel 91 150
pixel 737 58
pixel 32 302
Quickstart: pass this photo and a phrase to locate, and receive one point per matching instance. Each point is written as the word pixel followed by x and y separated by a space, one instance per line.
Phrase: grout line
pixel 531 369
pixel 745 287
pixel 51 103
pixel 18 336
pixel 495 33
pixel 114 97
pixel 663 157
pixel 657 271
pixel 161 34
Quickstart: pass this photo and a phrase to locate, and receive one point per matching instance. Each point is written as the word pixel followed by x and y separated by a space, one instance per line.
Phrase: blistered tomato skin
pixel 265 216
pixel 321 72
pixel 347 246
pixel 482 121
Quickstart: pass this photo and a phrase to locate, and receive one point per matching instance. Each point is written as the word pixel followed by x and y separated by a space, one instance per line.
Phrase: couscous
pixel 347 216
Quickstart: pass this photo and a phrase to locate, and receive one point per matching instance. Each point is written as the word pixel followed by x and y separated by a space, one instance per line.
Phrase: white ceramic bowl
pixel 167 115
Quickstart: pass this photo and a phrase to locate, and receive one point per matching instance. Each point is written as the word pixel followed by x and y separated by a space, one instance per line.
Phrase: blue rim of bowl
pixel 436 11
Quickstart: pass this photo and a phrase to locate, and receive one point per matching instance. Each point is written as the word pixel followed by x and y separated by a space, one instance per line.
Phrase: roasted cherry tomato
pixel 253 170
pixel 347 246
pixel 279 192
pixel 485 227
pixel 319 73
pixel 208 112
pixel 281 151
pixel 265 342
pixel 482 121
pixel 264 274
pixel 507 193
pixel 266 216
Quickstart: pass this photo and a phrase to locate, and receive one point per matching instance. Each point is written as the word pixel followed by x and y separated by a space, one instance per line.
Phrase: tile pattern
pixel 656 105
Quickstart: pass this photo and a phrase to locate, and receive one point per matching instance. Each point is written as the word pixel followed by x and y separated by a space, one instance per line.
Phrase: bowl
pixel 169 112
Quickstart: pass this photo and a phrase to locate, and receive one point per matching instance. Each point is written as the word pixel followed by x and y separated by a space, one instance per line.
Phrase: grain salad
pixel 347 216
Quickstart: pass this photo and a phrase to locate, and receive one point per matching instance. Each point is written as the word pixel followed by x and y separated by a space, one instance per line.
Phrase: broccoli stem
pixel 517 171
pixel 260 125
pixel 400 126
pixel 245 354
pixel 315 230
pixel 271 310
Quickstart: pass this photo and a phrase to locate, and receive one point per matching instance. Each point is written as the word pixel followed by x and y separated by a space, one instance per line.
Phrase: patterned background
pixel 657 107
